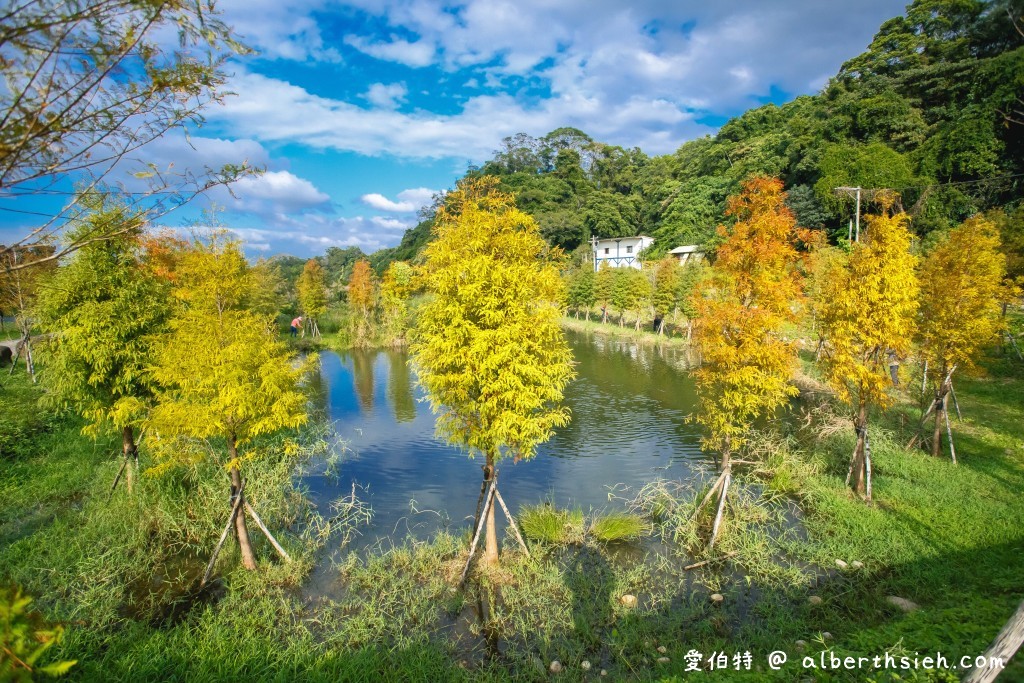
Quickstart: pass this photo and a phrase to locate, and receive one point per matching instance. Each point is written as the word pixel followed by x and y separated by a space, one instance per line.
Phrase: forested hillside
pixel 932 109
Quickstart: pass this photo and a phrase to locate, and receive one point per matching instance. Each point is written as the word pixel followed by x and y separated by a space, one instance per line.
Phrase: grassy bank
pixel 120 571
pixel 642 336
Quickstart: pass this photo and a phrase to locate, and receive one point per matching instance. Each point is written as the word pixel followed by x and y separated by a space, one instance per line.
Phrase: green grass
pixel 642 336
pixel 119 573
pixel 618 526
pixel 548 524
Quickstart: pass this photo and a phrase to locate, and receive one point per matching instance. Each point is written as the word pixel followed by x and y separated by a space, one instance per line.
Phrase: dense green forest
pixel 932 109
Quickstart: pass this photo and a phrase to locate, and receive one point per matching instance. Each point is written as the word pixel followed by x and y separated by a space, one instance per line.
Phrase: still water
pixel 628 427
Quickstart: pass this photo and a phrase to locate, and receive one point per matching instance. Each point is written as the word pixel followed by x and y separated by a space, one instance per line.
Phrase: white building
pixel 688 254
pixel 620 252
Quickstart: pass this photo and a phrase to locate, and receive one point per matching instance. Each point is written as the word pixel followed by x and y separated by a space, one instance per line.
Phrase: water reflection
pixel 628 407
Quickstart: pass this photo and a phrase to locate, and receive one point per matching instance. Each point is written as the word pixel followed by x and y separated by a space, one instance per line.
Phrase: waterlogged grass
pixel 618 526
pixel 120 572
pixel 548 524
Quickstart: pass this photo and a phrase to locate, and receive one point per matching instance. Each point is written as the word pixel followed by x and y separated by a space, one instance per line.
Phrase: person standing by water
pixel 296 326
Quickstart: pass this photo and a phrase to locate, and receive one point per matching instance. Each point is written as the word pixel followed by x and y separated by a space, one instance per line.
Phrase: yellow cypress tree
pixel 867 311
pixel 746 364
pixel 960 308
pixel 488 345
pixel 312 291
pixel 395 288
pixel 222 372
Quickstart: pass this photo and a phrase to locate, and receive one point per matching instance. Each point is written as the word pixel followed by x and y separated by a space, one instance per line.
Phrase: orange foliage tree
pixel 867 312
pixel 740 312
pixel 960 309
pixel 360 300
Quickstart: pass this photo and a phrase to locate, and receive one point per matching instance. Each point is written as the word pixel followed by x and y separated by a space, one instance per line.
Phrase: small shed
pixel 688 254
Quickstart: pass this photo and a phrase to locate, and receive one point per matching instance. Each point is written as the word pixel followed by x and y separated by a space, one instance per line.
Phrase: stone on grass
pixel 814 600
pixel 604 672
pixel 801 644
pixel 663 660
pixel 662 649
pixel 857 564
pixel 628 600
pixel 556 667
pixel 717 598
pixel 902 603
pixel 585 665
pixel 842 565
pixel 826 636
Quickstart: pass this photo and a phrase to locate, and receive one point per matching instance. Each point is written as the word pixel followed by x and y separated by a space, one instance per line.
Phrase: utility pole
pixel 852 190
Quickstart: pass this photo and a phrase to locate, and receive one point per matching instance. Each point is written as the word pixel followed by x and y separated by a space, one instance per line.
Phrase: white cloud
pixel 278 192
pixel 415 54
pixel 310 235
pixel 382 203
pixel 409 200
pixel 386 96
pixel 279 30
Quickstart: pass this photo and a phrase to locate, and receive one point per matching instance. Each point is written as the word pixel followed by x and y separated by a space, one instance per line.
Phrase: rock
pixel 857 564
pixel 842 565
pixel 902 603
pixel 717 598
pixel 826 636
pixel 628 601
pixel 604 672
pixel 663 660
pixel 556 667
pixel 585 665
pixel 662 649
pixel 801 644
pixel 814 600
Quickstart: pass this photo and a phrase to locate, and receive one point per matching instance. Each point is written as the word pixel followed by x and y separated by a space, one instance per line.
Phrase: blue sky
pixel 361 111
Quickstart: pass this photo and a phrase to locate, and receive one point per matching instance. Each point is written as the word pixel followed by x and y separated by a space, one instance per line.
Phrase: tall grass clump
pixel 619 526
pixel 548 524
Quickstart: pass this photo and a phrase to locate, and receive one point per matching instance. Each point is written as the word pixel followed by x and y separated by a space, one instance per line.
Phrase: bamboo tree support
pixel 710 493
pixel 924 377
pixel 867 465
pixel 511 521
pixel 1003 648
pixel 956 403
pixel 1013 343
pixel 721 507
pixel 949 434
pixel 224 534
pixel 266 532
pixel 720 558
pixel 479 529
pixel 117 478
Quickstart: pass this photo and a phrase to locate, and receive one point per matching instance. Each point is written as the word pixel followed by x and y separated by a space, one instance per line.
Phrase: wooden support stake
pixel 489 499
pixel 711 492
pixel 853 459
pixel 956 403
pixel 266 532
pixel 721 509
pixel 511 521
pixel 949 433
pixel 224 535
pixel 696 565
pixel 118 477
pixel 1013 342
pixel 924 377
pixel 912 441
pixel 867 463
pixel 1003 648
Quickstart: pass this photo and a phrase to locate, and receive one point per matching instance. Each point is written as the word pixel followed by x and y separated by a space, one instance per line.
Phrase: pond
pixel 628 403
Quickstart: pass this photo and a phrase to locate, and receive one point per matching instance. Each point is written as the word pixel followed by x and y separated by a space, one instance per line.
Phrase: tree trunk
pixel 588 314
pixel 940 408
pixel 859 464
pixel 490 557
pixel 131 456
pixel 244 544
